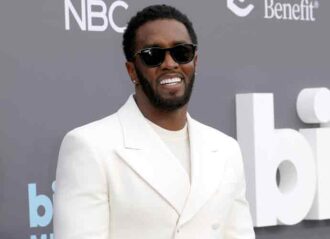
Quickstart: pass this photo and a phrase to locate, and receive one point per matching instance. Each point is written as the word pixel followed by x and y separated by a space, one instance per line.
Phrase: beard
pixel 160 102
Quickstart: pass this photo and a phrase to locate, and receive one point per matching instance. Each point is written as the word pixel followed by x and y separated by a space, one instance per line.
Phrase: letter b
pixel 269 11
pixel 101 15
pixel 35 202
pixel 280 164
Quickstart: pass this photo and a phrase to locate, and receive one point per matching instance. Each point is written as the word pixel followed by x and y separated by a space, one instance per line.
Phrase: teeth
pixel 170 81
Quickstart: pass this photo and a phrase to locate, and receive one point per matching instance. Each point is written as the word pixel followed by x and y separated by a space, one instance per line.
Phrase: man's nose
pixel 169 62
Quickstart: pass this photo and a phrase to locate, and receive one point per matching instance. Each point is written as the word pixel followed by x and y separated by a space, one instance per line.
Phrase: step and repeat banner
pixel 263 78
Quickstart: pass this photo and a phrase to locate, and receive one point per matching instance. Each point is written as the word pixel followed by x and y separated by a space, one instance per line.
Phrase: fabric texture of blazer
pixel 116 179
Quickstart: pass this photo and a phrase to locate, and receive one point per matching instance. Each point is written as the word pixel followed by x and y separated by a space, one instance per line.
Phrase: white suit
pixel 117 180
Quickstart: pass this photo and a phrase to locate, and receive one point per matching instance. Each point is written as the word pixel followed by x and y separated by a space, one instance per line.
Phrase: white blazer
pixel 116 179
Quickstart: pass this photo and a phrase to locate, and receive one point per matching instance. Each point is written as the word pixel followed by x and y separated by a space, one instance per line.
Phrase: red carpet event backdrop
pixel 263 78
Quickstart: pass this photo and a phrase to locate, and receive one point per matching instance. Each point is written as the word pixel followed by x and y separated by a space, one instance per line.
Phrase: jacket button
pixel 215 226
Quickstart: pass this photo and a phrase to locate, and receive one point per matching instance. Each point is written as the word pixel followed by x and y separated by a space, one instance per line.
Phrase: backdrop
pixel 61 66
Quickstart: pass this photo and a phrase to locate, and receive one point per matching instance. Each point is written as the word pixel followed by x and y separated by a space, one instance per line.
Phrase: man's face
pixel 157 82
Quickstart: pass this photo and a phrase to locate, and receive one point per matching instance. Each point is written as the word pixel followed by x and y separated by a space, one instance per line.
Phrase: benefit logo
pixel 296 10
pixel 239 11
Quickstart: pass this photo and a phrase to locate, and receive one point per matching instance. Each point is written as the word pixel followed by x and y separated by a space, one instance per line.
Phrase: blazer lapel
pixel 147 155
pixel 207 167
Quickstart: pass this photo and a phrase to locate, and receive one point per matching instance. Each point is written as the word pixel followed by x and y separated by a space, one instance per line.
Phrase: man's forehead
pixel 162 32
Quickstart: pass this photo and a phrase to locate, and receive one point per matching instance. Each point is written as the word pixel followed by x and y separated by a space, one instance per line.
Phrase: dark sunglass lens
pixel 183 53
pixel 152 56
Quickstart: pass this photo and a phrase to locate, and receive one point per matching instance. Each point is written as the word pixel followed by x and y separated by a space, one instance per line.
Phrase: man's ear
pixel 195 60
pixel 131 71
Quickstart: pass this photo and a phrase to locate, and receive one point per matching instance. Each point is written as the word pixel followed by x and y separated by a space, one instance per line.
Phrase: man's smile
pixel 171 81
pixel 172 84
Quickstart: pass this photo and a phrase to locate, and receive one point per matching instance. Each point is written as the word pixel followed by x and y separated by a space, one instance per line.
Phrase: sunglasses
pixel 154 56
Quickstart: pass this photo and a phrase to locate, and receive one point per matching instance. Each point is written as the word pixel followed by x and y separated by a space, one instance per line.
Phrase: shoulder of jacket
pixel 106 131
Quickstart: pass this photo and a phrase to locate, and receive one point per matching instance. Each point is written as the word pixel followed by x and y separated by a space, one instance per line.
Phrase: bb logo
pixel 40 211
pixel 239 11
pixel 287 170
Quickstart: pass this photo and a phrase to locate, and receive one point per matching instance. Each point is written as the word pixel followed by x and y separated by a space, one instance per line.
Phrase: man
pixel 150 171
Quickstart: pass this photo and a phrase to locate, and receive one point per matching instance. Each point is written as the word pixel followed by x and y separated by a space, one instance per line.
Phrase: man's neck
pixel 171 120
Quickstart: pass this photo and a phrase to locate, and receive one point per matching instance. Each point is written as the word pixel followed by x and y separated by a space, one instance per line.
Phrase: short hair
pixel 152 13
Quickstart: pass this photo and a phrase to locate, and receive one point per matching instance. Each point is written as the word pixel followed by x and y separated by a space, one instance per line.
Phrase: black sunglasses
pixel 154 56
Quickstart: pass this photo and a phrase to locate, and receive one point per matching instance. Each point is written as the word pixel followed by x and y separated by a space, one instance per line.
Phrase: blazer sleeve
pixel 81 205
pixel 239 224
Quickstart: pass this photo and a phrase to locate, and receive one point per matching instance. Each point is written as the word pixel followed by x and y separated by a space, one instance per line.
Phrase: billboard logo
pixel 40 210
pixel 239 11
pixel 288 169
